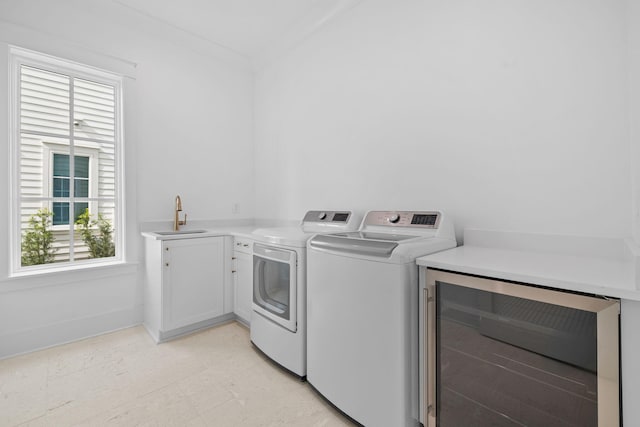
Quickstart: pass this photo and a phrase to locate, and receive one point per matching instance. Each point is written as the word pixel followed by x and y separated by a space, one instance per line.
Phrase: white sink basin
pixel 174 233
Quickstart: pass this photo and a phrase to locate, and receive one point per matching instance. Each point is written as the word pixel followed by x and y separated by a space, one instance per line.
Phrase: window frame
pixel 83 146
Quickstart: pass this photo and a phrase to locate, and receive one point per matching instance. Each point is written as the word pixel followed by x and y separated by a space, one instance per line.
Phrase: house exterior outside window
pixel 62 185
pixel 66 171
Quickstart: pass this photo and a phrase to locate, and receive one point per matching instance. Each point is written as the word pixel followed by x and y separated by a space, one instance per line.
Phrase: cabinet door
pixel 243 281
pixel 193 281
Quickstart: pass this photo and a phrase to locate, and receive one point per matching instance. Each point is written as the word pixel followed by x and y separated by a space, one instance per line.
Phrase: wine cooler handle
pixel 430 351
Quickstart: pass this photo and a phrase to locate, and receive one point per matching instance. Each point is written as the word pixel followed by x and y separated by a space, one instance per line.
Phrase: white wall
pixel 195 137
pixel 633 27
pixel 188 118
pixel 630 341
pixel 507 115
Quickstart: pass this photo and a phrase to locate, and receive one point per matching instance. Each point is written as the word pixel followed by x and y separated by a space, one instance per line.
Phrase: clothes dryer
pixel 278 318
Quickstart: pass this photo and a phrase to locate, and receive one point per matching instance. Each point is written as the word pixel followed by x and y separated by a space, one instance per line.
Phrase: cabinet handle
pixel 166 249
pixel 167 264
pixel 245 245
pixel 233 271
pixel 233 257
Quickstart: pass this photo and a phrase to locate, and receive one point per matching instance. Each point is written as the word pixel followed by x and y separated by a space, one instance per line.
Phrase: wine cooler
pixel 497 353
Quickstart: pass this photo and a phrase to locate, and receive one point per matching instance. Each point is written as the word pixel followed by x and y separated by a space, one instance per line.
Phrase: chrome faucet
pixel 176 220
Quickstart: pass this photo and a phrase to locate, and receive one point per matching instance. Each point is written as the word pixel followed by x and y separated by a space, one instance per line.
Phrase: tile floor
pixel 211 378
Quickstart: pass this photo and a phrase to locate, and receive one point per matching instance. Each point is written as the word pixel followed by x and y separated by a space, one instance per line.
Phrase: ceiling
pixel 247 27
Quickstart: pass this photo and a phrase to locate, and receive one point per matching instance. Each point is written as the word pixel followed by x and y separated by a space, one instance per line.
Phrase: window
pixel 62 184
pixel 66 170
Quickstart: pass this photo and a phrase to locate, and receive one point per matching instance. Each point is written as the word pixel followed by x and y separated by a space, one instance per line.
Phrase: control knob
pixel 322 215
pixel 394 218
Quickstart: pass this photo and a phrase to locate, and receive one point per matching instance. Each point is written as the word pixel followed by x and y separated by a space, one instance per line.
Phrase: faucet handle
pixel 185 220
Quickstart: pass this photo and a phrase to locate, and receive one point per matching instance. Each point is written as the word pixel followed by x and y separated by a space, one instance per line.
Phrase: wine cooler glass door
pixel 505 354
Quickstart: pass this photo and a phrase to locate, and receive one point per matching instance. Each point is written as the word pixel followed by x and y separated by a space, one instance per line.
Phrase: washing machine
pixel 278 317
pixel 362 314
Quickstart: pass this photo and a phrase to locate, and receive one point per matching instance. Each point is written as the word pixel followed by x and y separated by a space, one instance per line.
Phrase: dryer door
pixel 274 285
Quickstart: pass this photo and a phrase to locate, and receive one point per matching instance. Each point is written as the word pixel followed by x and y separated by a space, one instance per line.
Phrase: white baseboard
pixel 26 341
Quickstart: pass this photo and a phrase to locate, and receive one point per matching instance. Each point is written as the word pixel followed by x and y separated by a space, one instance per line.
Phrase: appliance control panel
pixel 419 219
pixel 338 217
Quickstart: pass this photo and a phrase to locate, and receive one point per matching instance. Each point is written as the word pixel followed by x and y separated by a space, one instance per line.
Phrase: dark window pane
pixel 82 188
pixel 60 187
pixel 60 213
pixel 60 165
pixel 82 167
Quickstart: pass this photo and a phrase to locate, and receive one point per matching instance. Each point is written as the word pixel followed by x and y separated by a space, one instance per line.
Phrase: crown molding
pixel 312 22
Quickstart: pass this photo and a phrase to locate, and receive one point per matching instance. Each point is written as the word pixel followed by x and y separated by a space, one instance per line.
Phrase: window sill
pixel 66 275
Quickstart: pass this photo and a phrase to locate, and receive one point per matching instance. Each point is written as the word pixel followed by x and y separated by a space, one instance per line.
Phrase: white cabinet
pixel 243 279
pixel 193 281
pixel 185 285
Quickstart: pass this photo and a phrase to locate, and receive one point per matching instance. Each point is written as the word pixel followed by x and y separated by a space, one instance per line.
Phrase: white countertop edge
pixel 233 231
pixel 155 236
pixel 559 271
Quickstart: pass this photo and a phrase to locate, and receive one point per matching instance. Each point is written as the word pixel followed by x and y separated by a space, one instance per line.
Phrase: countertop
pixel 235 228
pixel 600 266
pixel 228 230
